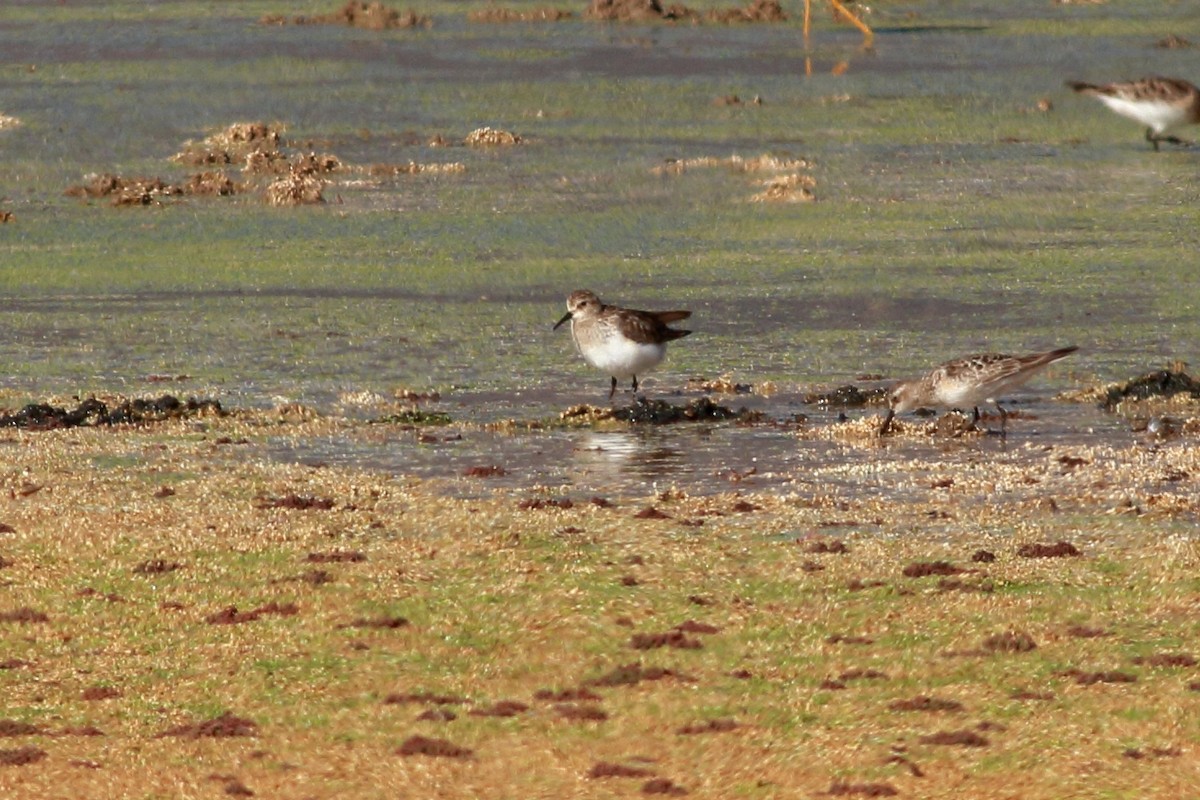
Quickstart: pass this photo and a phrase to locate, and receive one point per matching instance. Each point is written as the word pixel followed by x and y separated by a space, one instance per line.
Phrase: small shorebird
pixel 967 382
pixel 1158 103
pixel 620 341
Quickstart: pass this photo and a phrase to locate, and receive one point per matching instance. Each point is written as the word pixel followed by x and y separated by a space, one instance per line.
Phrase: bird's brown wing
pixel 669 316
pixel 647 327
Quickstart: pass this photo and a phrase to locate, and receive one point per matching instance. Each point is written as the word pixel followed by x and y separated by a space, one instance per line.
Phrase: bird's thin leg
pixel 613 390
pixel 1151 138
pixel 635 384
pixel 975 417
pixel 1003 421
pixel 887 422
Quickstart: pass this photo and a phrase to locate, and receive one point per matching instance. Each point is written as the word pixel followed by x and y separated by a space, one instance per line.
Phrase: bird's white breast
pixel 1157 114
pixel 621 357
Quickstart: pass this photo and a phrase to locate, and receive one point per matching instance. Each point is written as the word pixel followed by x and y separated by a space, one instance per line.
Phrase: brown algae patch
pixel 357 14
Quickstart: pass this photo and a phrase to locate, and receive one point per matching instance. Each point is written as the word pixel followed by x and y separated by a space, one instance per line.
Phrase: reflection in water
pixel 619 457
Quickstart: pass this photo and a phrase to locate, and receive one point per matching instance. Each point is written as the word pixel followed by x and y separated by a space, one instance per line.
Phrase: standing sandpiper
pixel 968 381
pixel 1158 103
pixel 620 341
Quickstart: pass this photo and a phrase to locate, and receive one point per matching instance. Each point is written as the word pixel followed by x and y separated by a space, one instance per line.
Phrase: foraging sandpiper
pixel 1158 103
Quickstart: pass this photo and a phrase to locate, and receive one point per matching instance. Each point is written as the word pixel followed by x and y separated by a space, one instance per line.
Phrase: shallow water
pixel 952 216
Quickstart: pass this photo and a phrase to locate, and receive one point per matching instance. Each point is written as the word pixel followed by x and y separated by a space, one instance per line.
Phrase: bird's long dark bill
pixel 566 317
pixel 887 422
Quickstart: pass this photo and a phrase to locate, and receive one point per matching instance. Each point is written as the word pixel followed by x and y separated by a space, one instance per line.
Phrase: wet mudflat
pixel 398 556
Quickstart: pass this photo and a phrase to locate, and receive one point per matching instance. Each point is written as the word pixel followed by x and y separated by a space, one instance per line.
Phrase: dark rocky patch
pixel 577 711
pixel 224 726
pixel 484 471
pixel 20 756
pixel 925 703
pixel 983 557
pixel 93 412
pixel 503 708
pixel 1009 642
pixel 336 557
pixel 100 693
pixel 24 615
pixel 920 569
pixel 650 512
pixel 607 769
pixel 964 738
pixel 711 726
pixel 156 566
pixel 742 507
pixel 1056 550
pixel 629 580
pixel 235 788
pixel 660 412
pixel 294 502
pixel 848 396
pixel 438 748
pixel 741 674
pixel 840 789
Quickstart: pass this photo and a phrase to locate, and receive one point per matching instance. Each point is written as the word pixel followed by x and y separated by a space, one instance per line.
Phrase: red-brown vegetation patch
pixel 235 788
pixel 496 14
pixel 156 566
pixel 673 638
pixel 963 738
pixel 840 789
pixel 1009 642
pixel 663 786
pixel 101 693
pixel 371 16
pixel 862 674
pixel 629 580
pixel 535 503
pixel 983 557
pixel 743 507
pixel 224 726
pixel 693 626
pixel 920 569
pixel 833 546
pixel 424 697
pixel 581 712
pixel 81 730
pixel 634 11
pixel 437 715
pixel 24 615
pixel 110 597
pixel 11 727
pixel 231 616
pixel 20 756
pixel 294 502
pixel 13 663
pixel 1089 678
pixel 210 183
pixel 1041 550
pixel 1166 660
pixel 1087 632
pixel 567 695
pixel 711 726
pixel 4 562
pixel 438 748
pixel 842 638
pixel 607 769
pixel 336 557
pixel 650 512
pixel 756 11
pixel 123 191
pixel 503 708
pixel 1028 694
pixel 385 623
pixel 925 703
pixel 1153 752
pixel 634 673
pixel 484 471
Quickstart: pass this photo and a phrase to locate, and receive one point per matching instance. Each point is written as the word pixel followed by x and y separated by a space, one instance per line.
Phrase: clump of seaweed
pixel 371 16
pixel 93 412
pixel 1158 384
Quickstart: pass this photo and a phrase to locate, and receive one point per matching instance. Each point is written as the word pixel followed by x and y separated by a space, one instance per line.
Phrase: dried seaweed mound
pixel 660 412
pixel 1161 383
pixel 635 11
pixel 848 396
pixel 93 412
pixel 372 16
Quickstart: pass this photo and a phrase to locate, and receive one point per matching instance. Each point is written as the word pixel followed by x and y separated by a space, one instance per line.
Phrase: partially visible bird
pixel 1158 103
pixel 622 342
pixel 966 382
